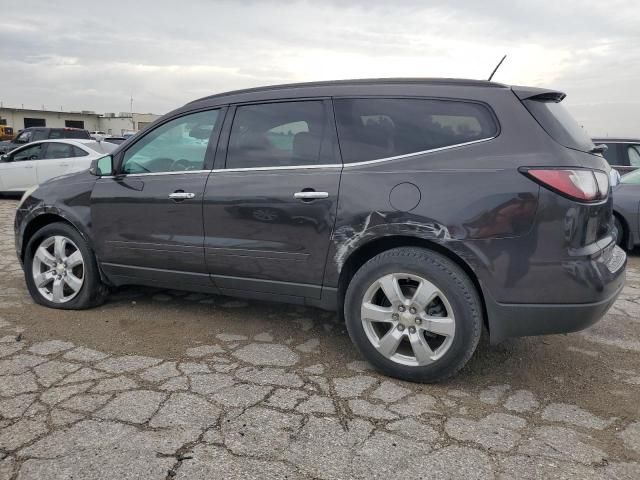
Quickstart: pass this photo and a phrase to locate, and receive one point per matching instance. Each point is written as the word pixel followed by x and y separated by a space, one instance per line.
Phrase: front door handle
pixel 181 195
pixel 310 195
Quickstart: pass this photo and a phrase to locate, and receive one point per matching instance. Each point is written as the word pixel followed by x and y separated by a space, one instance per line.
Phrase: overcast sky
pixel 93 56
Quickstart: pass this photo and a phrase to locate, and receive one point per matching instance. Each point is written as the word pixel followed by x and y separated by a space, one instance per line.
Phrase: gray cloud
pixel 165 53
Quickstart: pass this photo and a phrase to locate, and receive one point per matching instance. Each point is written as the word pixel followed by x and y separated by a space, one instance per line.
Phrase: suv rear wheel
pixel 414 314
pixel 61 271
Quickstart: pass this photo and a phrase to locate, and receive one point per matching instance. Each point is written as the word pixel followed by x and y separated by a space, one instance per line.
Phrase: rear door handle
pixel 181 195
pixel 310 195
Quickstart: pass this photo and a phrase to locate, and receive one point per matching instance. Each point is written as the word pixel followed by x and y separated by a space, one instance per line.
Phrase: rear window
pixel 375 128
pixel 559 124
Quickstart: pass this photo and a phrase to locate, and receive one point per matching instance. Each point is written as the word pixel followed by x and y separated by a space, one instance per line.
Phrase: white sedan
pixel 28 166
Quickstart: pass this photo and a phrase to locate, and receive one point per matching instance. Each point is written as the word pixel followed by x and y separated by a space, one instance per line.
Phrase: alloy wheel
pixel 408 319
pixel 58 269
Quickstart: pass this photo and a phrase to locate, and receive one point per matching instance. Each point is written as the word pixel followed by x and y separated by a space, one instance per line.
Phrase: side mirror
pixel 102 166
pixel 6 158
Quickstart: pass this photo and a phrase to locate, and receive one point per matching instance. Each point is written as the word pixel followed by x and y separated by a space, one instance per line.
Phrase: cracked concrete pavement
pixel 174 385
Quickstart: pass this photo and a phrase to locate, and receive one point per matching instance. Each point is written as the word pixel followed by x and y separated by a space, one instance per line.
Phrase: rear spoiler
pixel 542 94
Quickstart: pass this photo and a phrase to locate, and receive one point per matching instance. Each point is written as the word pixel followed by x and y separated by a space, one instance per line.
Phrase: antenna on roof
pixel 496 69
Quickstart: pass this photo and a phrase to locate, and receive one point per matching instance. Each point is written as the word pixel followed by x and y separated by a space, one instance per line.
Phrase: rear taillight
pixel 581 184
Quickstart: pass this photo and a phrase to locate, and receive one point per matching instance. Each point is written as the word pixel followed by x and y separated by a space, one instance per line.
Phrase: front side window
pixel 634 155
pixel 176 146
pixel 59 150
pixel 375 128
pixel 277 135
pixel 28 153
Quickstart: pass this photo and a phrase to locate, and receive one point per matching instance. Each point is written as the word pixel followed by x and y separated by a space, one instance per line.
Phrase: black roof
pixel 459 82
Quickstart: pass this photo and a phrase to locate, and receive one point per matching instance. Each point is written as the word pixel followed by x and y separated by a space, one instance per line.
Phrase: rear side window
pixel 59 150
pixel 612 155
pixel 39 135
pixel 559 124
pixel 277 135
pixel 76 134
pixel 78 152
pixel 375 128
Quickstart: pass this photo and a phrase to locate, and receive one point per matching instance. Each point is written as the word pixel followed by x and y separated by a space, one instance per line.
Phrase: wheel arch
pixel 627 238
pixel 36 224
pixel 370 249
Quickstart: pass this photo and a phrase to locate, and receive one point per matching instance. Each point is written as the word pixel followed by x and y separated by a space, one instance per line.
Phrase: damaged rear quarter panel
pixel 457 207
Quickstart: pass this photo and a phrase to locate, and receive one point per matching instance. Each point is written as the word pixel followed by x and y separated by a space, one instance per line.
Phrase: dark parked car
pixel 626 208
pixel 623 154
pixel 33 134
pixel 422 210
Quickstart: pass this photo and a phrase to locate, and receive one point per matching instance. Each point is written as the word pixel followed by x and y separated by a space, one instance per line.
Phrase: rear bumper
pixel 526 319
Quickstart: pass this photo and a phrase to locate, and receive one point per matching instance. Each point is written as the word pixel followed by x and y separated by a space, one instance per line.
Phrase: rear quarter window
pixel 375 128
pixel 556 120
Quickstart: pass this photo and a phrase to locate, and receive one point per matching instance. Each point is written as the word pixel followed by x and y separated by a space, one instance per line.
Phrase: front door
pixel 19 173
pixel 270 210
pixel 147 218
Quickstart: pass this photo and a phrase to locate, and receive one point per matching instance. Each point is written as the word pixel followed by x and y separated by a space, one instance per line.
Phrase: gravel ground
pixel 171 385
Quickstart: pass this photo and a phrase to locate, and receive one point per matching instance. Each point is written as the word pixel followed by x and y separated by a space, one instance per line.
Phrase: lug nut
pixel 400 328
pixel 418 320
pixel 395 316
pixel 412 310
pixel 412 329
pixel 402 308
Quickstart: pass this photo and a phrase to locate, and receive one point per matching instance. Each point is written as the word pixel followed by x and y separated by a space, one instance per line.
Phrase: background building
pixel 110 123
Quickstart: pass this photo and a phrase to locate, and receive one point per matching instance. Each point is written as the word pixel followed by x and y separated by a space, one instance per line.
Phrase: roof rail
pixel 462 82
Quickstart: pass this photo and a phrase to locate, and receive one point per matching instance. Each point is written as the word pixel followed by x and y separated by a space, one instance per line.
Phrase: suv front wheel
pixel 61 270
pixel 414 314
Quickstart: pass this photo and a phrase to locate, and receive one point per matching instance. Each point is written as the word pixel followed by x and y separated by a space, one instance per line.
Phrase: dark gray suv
pixel 423 210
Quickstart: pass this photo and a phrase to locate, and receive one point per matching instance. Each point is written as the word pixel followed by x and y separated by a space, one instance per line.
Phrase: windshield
pixel 559 124
pixel 632 178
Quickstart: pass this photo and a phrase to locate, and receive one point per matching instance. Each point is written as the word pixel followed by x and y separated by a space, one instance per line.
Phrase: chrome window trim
pixel 311 167
pixel 414 154
pixel 291 167
pixel 154 174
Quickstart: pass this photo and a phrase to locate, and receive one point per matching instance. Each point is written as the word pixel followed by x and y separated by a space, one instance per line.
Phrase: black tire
pixel 450 279
pixel 622 234
pixel 92 293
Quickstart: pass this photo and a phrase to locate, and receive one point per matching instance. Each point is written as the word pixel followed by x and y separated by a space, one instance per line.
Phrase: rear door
pixel 270 207
pixel 55 160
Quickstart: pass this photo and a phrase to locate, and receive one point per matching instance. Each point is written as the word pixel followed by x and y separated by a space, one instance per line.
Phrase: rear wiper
pixel 599 148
